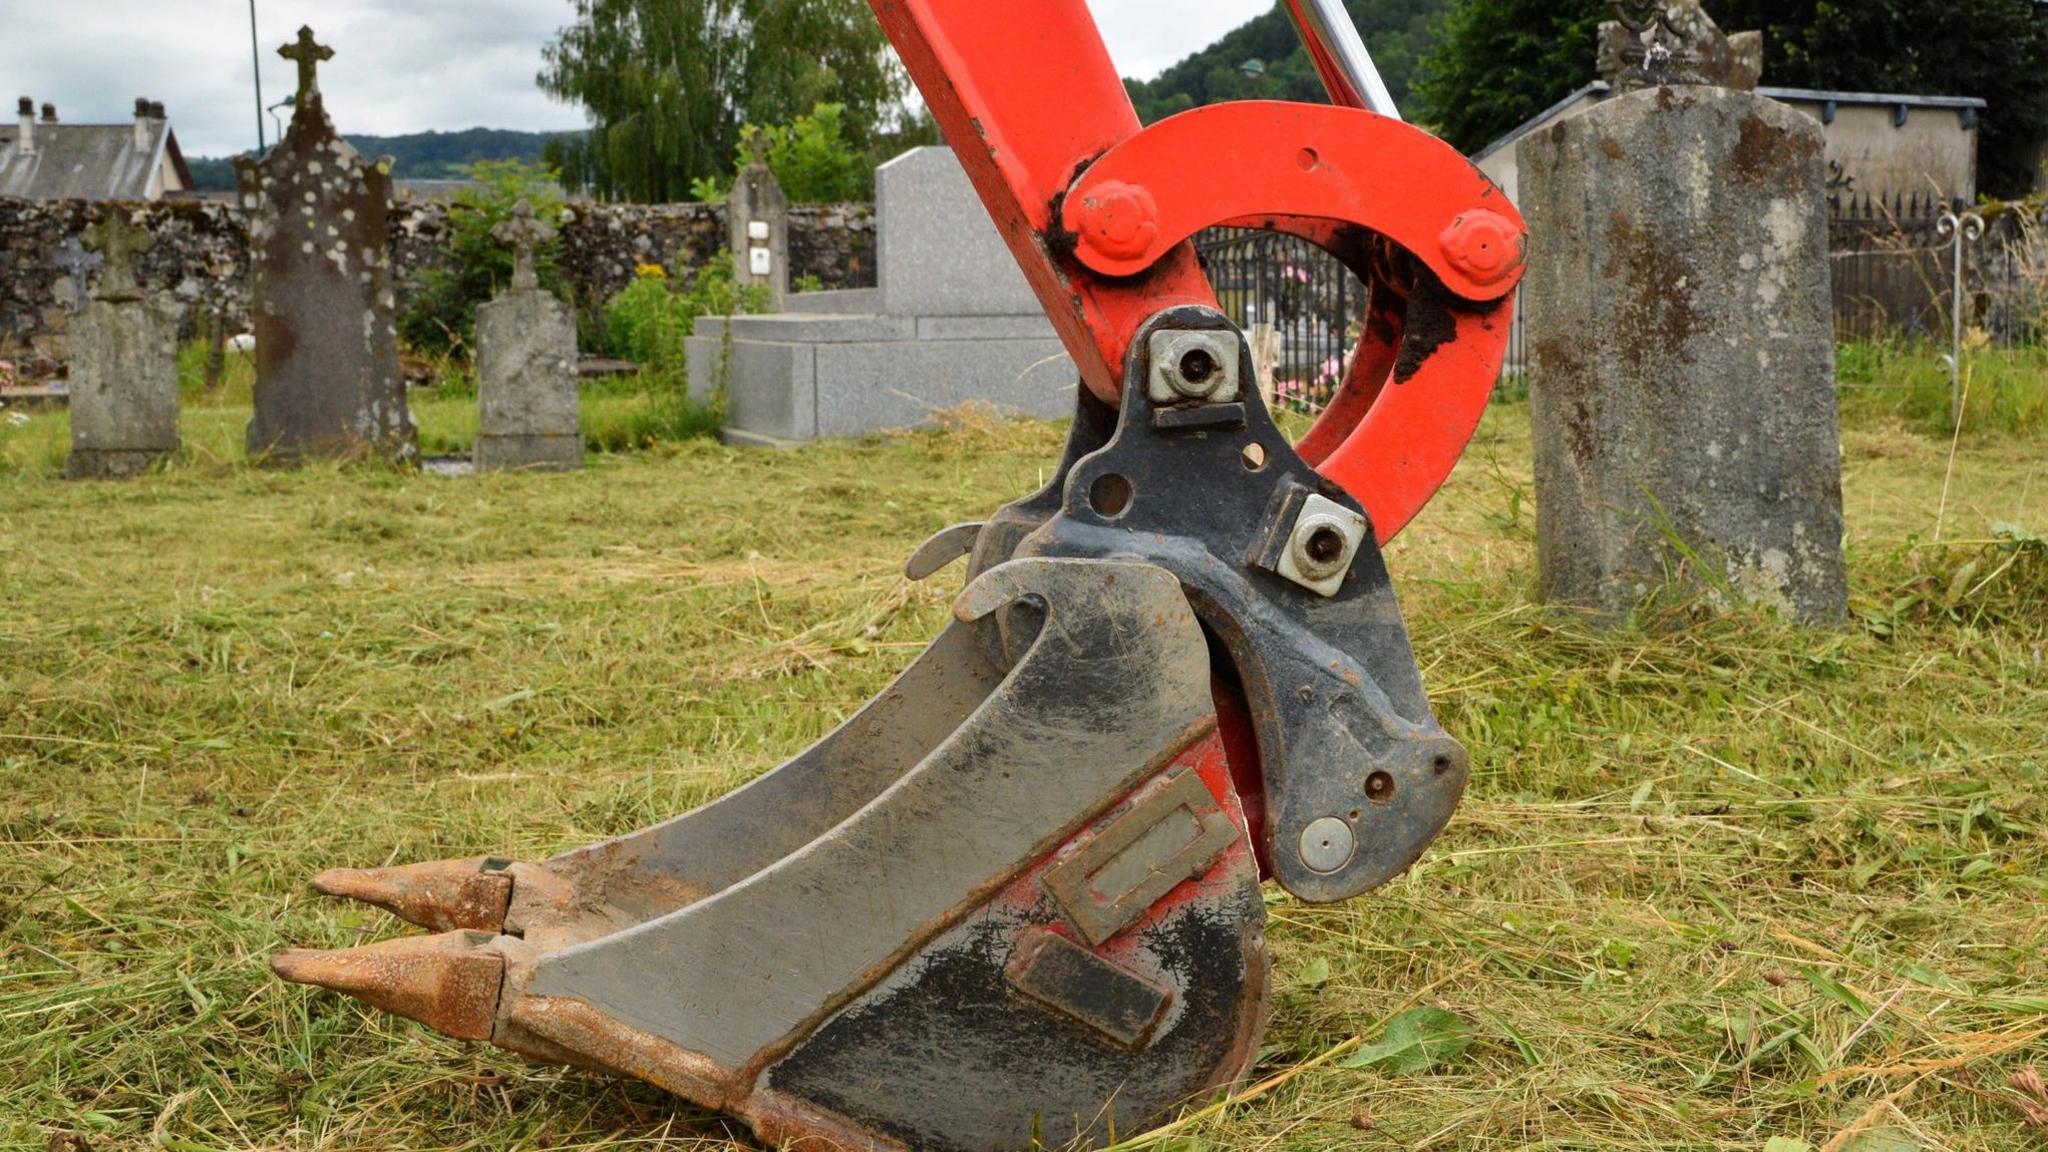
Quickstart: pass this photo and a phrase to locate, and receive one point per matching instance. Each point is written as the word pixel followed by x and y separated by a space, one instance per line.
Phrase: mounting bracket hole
pixel 1379 788
pixel 1110 495
pixel 1326 545
pixel 1255 457
pixel 1197 366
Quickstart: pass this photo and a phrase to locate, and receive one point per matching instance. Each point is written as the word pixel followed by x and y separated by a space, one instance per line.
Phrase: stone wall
pixel 201 257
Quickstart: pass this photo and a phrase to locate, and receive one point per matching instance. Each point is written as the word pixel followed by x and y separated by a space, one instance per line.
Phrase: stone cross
pixel 1652 43
pixel 524 232
pixel 309 55
pixel 758 145
pixel 118 242
pixel 78 266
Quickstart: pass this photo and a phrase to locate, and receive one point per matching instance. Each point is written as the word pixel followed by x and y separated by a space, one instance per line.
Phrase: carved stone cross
pixel 758 145
pixel 524 232
pixel 309 55
pixel 1651 43
pixel 118 242
pixel 78 266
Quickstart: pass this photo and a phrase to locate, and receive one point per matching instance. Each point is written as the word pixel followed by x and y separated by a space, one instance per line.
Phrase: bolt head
pixel 1484 246
pixel 1120 220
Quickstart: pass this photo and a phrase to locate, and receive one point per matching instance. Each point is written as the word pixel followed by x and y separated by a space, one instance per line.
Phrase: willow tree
pixel 667 84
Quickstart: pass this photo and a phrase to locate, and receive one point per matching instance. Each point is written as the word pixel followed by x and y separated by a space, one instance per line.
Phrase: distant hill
pixel 420 156
pixel 1264 59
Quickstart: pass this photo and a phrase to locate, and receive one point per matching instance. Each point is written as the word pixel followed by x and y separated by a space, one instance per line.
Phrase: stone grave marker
pixel 758 217
pixel 124 364
pixel 1682 341
pixel 529 410
pixel 327 375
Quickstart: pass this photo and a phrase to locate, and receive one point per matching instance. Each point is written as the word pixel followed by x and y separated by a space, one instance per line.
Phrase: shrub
pixel 441 317
pixel 649 323
pixel 810 156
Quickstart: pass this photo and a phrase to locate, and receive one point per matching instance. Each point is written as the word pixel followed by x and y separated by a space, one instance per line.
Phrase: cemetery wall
pixel 201 256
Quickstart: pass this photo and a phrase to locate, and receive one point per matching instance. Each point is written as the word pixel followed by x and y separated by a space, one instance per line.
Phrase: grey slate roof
pixel 84 161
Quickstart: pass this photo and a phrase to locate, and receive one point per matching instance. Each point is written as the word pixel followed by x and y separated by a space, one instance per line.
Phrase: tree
pixel 1264 59
pixel 668 83
pixel 1498 63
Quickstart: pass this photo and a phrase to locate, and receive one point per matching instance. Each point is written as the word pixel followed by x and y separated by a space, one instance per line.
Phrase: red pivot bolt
pixel 1484 246
pixel 1119 220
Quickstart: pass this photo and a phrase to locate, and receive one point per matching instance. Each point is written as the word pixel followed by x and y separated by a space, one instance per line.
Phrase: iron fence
pixel 1915 269
pixel 1301 306
pixel 1894 262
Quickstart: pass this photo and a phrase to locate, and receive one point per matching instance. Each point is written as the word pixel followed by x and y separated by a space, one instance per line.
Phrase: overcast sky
pixel 402 65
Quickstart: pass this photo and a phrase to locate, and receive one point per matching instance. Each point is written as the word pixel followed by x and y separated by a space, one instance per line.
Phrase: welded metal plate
pixel 1167 839
pixel 1103 996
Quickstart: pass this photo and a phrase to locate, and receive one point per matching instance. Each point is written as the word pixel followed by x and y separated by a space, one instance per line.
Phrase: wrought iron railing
pixel 1301 306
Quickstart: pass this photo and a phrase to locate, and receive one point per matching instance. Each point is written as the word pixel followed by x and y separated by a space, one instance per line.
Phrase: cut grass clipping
pixel 1719 883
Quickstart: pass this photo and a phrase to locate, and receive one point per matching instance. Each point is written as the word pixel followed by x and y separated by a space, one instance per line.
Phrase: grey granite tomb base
pixel 800 376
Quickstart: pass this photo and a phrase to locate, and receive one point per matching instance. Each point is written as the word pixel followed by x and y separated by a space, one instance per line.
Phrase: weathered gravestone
pixel 529 412
pixel 757 215
pixel 123 351
pixel 1682 341
pixel 327 376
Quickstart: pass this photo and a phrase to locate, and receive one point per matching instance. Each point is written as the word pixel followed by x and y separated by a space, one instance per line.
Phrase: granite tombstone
pixel 952 324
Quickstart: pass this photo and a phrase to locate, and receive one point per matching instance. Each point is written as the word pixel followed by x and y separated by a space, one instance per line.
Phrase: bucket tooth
pixel 449 983
pixel 442 896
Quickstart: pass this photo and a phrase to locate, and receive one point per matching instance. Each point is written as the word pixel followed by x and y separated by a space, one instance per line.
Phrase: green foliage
pixel 440 318
pixel 812 158
pixel 667 84
pixel 1264 59
pixel 1497 63
pixel 2006 389
pixel 1416 1041
pixel 648 322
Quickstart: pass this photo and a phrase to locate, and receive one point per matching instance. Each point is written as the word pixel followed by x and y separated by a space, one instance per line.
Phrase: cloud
pixel 400 66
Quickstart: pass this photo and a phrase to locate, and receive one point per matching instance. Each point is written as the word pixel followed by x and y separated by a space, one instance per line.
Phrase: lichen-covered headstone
pixel 529 414
pixel 1682 349
pixel 757 214
pixel 327 375
pixel 124 364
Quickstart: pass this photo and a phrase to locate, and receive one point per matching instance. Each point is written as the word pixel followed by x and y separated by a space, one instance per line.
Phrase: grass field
pixel 1719 884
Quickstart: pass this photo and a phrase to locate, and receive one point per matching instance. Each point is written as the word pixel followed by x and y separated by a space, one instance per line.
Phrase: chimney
pixel 49 112
pixel 28 125
pixel 156 110
pixel 141 123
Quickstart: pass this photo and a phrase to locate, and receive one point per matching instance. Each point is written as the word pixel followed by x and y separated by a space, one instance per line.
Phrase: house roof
pixel 87 161
pixel 1600 88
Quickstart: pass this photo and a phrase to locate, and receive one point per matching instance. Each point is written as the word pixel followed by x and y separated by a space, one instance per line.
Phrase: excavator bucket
pixel 1015 902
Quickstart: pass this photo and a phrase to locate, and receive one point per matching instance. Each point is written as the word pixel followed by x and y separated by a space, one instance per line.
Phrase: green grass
pixel 2006 389
pixel 1718 880
pixel 619 415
